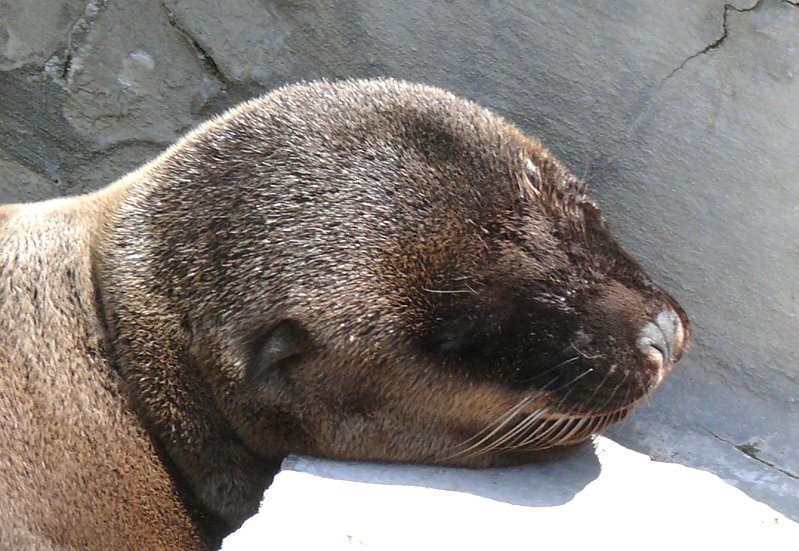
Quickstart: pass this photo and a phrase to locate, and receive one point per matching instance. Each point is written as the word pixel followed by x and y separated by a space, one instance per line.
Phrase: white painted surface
pixel 603 498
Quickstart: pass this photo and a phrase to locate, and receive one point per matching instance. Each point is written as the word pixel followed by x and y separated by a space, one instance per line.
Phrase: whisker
pixel 615 390
pixel 514 411
pixel 507 418
pixel 541 433
pixel 627 396
pixel 506 442
pixel 583 354
pixel 526 423
pixel 551 369
pixel 587 402
pixel 451 291
pixel 579 424
pixel 520 429
pixel 501 421
pixel 537 435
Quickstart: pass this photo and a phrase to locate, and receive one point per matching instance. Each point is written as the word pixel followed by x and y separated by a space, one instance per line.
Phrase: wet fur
pixel 365 270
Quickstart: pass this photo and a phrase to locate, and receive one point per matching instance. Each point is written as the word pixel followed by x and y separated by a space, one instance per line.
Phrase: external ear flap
pixel 277 349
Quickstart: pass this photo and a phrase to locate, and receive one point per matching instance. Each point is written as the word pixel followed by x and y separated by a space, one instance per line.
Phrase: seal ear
pixel 277 348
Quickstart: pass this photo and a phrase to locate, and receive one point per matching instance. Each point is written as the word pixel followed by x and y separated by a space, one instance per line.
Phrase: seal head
pixel 371 270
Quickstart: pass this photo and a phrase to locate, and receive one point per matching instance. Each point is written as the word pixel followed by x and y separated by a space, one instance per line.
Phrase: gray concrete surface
pixel 681 113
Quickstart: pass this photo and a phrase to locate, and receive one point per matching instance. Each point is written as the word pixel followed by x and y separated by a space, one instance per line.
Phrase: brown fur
pixel 363 270
pixel 78 467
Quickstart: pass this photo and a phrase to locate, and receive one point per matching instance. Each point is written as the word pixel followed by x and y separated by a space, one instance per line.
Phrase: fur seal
pixel 366 270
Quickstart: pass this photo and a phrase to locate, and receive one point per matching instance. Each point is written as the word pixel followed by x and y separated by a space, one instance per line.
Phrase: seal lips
pixel 531 432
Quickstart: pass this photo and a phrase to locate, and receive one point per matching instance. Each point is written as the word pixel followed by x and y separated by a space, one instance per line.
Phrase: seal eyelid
pixel 277 348
pixel 469 335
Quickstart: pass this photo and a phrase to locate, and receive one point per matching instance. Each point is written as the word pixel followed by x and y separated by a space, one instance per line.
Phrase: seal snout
pixel 662 339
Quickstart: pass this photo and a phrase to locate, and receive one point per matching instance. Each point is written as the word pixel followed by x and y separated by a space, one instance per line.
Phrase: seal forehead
pixel 546 181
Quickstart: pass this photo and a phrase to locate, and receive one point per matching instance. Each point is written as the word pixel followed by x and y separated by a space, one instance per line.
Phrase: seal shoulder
pixel 64 415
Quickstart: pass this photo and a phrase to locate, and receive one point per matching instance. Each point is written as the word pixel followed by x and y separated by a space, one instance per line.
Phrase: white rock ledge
pixel 607 497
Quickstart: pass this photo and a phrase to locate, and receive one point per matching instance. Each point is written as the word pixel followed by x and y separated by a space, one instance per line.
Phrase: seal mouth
pixel 533 432
pixel 564 431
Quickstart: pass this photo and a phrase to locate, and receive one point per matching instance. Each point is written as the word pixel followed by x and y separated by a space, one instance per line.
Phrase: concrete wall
pixel 683 114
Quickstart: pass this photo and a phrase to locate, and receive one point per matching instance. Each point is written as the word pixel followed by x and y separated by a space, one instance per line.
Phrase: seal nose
pixel 660 336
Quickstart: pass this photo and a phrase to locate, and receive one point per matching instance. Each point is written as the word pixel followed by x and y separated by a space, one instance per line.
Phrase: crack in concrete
pixel 751 450
pixel 725 32
pixel 231 90
pixel 205 57
pixel 62 70
pixel 647 102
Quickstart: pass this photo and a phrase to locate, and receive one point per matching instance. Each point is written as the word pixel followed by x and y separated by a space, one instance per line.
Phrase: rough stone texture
pixel 34 34
pixel 19 184
pixel 681 113
pixel 138 79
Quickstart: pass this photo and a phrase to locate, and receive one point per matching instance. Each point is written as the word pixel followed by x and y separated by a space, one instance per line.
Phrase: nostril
pixel 661 347
pixel 652 336
pixel 664 335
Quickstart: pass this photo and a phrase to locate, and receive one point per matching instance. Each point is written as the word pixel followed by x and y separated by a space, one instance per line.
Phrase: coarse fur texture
pixel 369 270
